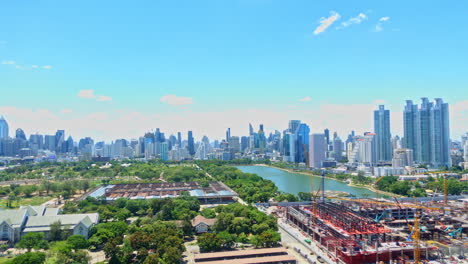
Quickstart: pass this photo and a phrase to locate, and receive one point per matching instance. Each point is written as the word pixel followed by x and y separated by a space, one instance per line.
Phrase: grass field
pixel 36 200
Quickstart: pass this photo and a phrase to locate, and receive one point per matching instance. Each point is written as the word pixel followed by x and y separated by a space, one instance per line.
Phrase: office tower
pixel 234 144
pixel 164 151
pixel 337 148
pixel 191 144
pixel 4 129
pixel 20 134
pixel 293 125
pixel 179 139
pixel 36 142
pixel 302 143
pixel 327 135
pixel 286 149
pixel 427 132
pixel 251 130
pixel 402 158
pixel 69 145
pixel 204 149
pixel 59 141
pixel 244 143
pixel 317 150
pixel 261 139
pixel 382 129
pixel 228 134
pixel 465 151
pixel 49 142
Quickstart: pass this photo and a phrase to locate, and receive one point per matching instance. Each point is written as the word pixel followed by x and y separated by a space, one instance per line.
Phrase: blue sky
pixel 118 68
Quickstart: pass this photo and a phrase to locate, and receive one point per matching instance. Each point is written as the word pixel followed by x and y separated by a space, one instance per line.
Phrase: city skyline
pixel 165 65
pixel 240 127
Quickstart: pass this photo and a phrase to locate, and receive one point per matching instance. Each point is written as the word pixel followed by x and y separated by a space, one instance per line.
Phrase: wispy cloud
pixel 305 99
pixel 326 22
pixel 3 42
pixel 89 94
pixel 379 27
pixel 175 100
pixel 66 111
pixel 25 67
pixel 354 20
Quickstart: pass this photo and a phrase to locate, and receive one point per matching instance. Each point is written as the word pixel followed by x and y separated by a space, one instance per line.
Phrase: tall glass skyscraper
pixel 427 132
pixel 191 143
pixel 302 143
pixel 3 128
pixel 382 129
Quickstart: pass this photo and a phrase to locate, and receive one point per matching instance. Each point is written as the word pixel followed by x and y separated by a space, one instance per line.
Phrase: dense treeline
pixel 250 187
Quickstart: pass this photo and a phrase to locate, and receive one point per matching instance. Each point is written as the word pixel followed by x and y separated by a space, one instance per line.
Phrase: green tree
pixel 56 233
pixel 30 258
pixel 209 242
pixel 77 242
pixel 32 240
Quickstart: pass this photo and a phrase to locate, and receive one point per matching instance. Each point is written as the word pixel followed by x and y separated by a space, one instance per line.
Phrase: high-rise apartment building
pixel 427 132
pixel 383 136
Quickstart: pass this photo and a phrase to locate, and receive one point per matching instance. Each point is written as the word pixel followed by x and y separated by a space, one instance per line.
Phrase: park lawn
pixel 4 260
pixel 35 200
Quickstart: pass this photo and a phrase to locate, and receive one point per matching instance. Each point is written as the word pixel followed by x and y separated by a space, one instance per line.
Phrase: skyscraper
pixel 327 135
pixel 293 124
pixel 317 150
pixel 302 143
pixel 251 130
pixel 179 139
pixel 228 134
pixel 382 129
pixel 4 129
pixel 427 132
pixel 20 134
pixel 191 144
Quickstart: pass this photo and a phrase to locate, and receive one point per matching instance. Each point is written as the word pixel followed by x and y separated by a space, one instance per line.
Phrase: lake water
pixel 296 182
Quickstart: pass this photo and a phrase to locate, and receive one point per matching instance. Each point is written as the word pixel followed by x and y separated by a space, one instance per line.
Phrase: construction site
pixel 373 230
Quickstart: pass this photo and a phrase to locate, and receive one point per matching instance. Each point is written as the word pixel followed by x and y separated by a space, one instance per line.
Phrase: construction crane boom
pixel 386 203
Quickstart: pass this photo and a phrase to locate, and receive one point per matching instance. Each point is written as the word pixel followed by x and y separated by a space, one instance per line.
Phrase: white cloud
pixel 89 94
pixel 8 62
pixel 325 22
pixel 34 66
pixel 47 67
pixel 175 100
pixel 305 99
pixel 379 27
pixel 103 98
pixel 355 20
pixel 66 111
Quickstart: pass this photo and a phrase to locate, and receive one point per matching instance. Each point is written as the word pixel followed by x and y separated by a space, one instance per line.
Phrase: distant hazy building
pixel 191 144
pixel 302 143
pixel 317 150
pixel 402 158
pixel 20 134
pixel 427 132
pixel 244 143
pixel 383 137
pixel 164 151
pixel 234 144
pixel 4 128
pixel 337 149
